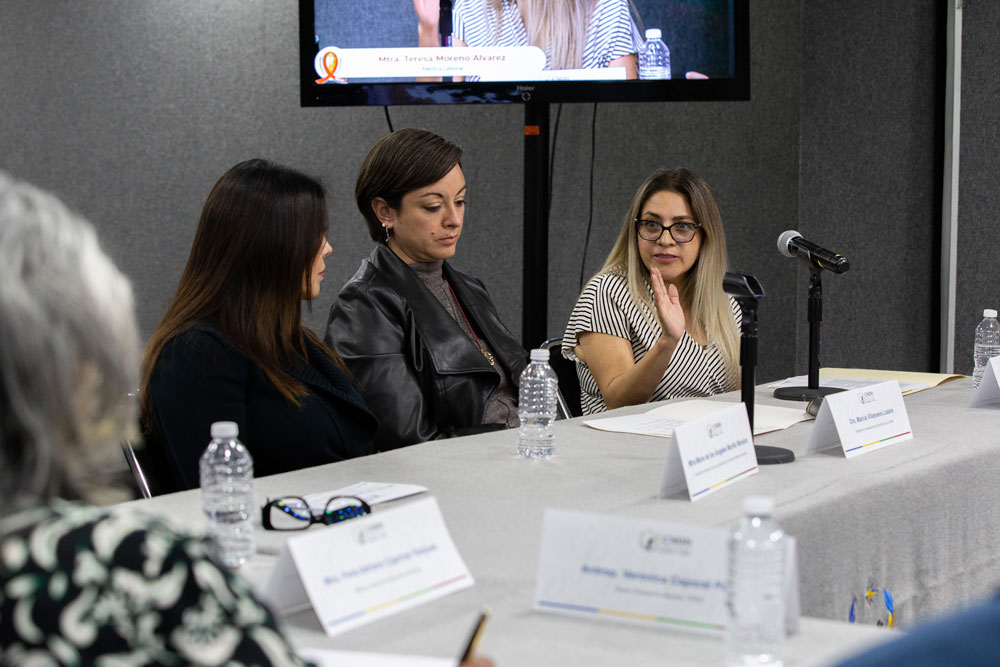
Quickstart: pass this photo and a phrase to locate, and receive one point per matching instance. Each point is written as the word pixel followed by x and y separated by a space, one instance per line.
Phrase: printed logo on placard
pixel 714 430
pixel 866 397
pixel 370 533
pixel 665 543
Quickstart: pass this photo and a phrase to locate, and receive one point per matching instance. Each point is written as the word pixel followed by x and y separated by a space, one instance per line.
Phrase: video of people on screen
pixel 522 40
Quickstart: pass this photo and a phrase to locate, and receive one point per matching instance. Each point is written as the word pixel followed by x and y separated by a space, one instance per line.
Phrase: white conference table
pixel 918 518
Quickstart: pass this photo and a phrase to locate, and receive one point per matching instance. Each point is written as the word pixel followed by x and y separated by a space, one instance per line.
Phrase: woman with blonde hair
pixel 573 34
pixel 654 322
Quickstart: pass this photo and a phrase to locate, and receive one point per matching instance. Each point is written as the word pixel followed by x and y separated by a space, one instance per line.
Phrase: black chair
pixel 150 468
pixel 569 384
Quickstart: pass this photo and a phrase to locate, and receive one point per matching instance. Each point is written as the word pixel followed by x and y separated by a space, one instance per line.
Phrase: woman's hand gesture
pixel 668 307
pixel 427 13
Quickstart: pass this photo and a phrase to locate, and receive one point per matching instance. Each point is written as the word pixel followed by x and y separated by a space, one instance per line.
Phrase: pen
pixel 477 632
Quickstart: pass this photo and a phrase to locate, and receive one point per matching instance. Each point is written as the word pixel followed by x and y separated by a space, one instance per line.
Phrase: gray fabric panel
pixel 978 201
pixel 153 101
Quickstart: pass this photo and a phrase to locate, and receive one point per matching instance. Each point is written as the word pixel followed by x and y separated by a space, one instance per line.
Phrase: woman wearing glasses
pixel 654 322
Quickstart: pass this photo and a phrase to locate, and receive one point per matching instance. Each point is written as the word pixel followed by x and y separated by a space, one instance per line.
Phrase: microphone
pixel 444 22
pixel 791 244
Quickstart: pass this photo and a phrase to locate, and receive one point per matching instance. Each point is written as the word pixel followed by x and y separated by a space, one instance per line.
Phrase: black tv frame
pixel 519 92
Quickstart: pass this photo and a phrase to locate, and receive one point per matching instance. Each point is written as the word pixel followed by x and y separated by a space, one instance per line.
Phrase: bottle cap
pixel 540 354
pixel 653 33
pixel 758 505
pixel 989 312
pixel 225 430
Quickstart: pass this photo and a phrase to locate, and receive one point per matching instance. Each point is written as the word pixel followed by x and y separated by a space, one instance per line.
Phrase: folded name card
pixel 710 453
pixel 363 569
pixel 988 391
pixel 861 420
pixel 657 573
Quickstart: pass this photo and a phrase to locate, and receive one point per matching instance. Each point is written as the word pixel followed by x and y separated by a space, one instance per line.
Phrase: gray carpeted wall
pixel 131 109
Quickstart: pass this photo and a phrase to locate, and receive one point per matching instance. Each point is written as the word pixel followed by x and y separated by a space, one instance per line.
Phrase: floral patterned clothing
pixel 86 586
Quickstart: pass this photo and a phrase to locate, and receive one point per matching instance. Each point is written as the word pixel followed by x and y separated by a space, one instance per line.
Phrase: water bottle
pixel 536 407
pixel 227 494
pixel 756 600
pixel 987 345
pixel 654 59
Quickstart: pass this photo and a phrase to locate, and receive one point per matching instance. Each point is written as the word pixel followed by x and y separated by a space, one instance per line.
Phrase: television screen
pixel 382 52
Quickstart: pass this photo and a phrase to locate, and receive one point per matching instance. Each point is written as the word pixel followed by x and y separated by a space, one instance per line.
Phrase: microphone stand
pixel 813 390
pixel 747 291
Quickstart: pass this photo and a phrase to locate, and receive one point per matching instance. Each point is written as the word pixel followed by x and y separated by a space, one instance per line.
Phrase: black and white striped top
pixel 610 34
pixel 605 306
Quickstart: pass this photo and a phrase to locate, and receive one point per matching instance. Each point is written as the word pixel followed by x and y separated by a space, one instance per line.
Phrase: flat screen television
pixel 372 52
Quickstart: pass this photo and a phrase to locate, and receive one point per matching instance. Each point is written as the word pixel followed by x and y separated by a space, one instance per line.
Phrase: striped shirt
pixel 611 33
pixel 605 306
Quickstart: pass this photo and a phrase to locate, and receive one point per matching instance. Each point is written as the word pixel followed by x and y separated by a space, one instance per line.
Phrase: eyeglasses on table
pixel 294 513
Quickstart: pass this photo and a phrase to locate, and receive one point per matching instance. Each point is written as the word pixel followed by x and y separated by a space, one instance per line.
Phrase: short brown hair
pixel 401 162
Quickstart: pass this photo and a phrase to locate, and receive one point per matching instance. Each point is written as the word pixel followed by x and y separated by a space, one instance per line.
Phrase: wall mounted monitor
pixel 378 52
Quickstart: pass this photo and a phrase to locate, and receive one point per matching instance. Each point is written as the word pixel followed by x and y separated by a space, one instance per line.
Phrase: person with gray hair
pixel 78 583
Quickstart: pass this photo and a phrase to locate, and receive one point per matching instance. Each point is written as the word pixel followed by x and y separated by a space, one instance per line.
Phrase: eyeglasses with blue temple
pixel 294 513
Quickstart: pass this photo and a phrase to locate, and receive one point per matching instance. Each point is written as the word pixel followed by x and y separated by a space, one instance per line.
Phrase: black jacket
pixel 201 377
pixel 419 371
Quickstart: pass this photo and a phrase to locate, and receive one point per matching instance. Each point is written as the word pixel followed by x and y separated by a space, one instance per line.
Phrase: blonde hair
pixel 557 27
pixel 701 292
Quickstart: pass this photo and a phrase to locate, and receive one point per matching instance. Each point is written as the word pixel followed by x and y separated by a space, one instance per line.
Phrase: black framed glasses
pixel 651 230
pixel 294 513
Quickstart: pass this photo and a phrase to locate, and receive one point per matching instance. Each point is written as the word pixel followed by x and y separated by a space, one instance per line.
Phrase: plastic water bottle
pixel 654 59
pixel 756 600
pixel 987 345
pixel 227 494
pixel 536 406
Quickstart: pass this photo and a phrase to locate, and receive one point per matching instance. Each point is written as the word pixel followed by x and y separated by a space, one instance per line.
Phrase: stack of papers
pixel 661 421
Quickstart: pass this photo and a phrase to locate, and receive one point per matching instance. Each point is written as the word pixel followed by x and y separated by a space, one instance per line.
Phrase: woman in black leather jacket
pixel 424 341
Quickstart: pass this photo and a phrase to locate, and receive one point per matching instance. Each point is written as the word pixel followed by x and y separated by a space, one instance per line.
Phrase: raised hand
pixel 668 307
pixel 428 14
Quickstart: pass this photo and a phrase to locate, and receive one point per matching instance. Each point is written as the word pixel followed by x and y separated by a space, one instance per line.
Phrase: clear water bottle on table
pixel 227 494
pixel 654 59
pixel 536 407
pixel 756 600
pixel 987 345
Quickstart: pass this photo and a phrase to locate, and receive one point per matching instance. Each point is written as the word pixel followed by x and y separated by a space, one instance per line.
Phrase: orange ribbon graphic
pixel 330 62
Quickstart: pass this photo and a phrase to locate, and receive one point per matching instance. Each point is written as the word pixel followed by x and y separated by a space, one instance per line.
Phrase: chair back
pixel 152 475
pixel 569 384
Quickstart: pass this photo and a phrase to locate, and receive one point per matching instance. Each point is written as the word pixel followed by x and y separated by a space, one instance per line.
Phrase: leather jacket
pixel 419 372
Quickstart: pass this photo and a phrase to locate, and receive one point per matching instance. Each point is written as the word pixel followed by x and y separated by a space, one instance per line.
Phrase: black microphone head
pixel 785 239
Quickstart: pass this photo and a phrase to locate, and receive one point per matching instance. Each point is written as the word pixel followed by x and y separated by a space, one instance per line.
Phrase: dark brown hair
pixel 260 231
pixel 401 162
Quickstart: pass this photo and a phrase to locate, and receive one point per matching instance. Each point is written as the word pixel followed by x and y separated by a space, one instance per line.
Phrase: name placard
pixel 364 569
pixel 988 391
pixel 643 571
pixel 861 420
pixel 656 573
pixel 711 453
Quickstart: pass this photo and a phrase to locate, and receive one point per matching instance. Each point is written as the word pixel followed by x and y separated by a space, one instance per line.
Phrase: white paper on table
pixel 847 383
pixel 372 493
pixel 988 391
pixel 332 658
pixel 663 420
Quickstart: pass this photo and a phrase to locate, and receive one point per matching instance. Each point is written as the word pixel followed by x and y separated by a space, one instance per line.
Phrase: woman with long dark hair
pixel 231 346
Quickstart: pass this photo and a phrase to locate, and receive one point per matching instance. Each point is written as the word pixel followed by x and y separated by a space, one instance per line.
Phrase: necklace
pixel 486 353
